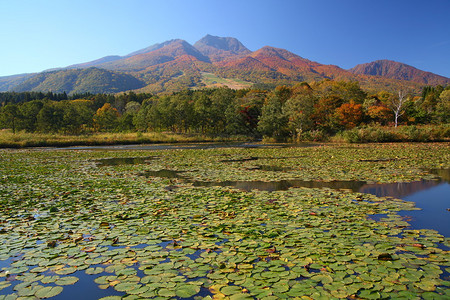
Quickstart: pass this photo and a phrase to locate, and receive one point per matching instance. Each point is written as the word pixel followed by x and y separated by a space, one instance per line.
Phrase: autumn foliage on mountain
pixel 176 65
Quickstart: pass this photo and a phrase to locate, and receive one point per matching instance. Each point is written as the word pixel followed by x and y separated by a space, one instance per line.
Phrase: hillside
pixel 176 65
pixel 92 80
pixel 395 70
pixel 9 82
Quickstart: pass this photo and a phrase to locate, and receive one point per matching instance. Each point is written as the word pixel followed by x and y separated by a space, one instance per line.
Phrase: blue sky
pixel 38 35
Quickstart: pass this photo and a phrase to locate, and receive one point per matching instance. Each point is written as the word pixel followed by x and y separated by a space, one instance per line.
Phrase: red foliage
pixel 350 114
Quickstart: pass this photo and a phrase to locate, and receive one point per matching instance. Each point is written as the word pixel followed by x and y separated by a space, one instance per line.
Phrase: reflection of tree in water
pixel 117 161
pixel 283 185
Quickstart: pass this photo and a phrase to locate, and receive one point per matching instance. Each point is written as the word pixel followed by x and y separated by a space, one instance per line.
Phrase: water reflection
pixel 283 185
pixel 116 161
pixel 164 173
pixel 434 203
pixel 187 146
pixel 398 189
pixel 432 196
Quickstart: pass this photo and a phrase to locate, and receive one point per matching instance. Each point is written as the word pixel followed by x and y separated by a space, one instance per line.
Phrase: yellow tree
pixel 105 118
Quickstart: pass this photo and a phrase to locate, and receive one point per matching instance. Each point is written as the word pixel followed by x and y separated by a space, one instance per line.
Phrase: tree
pixel 350 114
pixel 105 118
pixel 324 115
pixel 50 118
pixel 397 105
pixel 273 122
pixel 442 114
pixel 29 111
pixel 299 110
pixel 8 116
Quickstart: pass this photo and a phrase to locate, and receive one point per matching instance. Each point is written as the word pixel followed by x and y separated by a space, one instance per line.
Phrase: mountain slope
pixel 92 80
pixel 395 70
pixel 9 82
pixel 287 65
pixel 167 52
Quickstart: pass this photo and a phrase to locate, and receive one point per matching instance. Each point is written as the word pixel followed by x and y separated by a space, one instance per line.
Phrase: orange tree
pixel 350 114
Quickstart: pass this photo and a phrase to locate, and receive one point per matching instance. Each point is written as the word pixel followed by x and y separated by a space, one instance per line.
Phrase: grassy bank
pixel 368 134
pixel 24 139
pixel 411 133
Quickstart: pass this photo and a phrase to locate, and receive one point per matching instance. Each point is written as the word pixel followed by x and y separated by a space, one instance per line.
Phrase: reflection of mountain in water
pixel 398 189
pixel 404 189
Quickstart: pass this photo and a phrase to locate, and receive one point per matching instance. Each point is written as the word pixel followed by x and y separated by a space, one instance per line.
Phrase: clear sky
pixel 38 35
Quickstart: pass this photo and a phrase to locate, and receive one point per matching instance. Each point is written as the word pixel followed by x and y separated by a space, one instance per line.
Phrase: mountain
pixel 279 63
pixel 395 70
pixel 169 51
pixel 92 80
pixel 220 48
pixel 9 82
pixel 94 63
pixel 212 61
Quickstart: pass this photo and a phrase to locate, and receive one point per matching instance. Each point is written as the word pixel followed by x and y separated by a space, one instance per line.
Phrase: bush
pixel 313 136
pixel 412 133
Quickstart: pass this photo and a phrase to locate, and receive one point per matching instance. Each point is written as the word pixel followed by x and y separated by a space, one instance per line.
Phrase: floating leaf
pixel 67 280
pixel 187 290
pixel 94 271
pixel 48 292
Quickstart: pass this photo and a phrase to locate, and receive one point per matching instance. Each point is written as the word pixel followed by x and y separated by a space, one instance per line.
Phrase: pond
pixel 239 223
pixel 431 196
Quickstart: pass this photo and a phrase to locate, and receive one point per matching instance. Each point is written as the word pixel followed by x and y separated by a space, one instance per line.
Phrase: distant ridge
pixel 175 65
pixel 396 70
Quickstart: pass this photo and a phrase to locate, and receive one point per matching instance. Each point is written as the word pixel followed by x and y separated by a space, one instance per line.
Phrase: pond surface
pixel 89 224
pixel 431 196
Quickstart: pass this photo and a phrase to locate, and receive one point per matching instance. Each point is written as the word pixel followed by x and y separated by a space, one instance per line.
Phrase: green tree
pixel 9 115
pixel 203 111
pixel 299 110
pixel 29 111
pixel 442 114
pixel 273 122
pixel 50 118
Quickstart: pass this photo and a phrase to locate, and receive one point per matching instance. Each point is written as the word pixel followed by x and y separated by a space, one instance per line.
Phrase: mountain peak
pixel 220 48
pixel 396 70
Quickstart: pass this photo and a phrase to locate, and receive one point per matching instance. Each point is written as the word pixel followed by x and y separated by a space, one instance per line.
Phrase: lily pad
pixel 48 292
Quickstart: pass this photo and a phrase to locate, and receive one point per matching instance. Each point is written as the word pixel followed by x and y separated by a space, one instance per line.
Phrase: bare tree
pixel 397 105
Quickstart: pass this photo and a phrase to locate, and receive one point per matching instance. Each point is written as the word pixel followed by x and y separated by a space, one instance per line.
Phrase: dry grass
pixel 25 139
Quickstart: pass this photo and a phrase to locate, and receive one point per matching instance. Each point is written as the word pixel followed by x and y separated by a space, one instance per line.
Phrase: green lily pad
pixel 67 280
pixel 94 271
pixel 187 290
pixel 48 292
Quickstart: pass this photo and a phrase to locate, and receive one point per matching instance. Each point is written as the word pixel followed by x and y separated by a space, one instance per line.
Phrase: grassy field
pixel 212 81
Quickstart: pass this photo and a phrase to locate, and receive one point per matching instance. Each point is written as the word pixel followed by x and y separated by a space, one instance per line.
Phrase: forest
pixel 302 112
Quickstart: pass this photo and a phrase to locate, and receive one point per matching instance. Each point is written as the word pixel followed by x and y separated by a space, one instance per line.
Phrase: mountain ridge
pixel 175 64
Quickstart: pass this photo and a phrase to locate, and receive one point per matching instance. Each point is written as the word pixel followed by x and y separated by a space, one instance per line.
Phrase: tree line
pixel 299 112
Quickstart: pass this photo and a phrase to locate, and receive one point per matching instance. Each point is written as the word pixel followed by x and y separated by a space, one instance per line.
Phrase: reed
pixel 26 139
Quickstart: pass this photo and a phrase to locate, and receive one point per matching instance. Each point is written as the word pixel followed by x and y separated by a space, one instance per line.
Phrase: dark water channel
pixel 170 146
